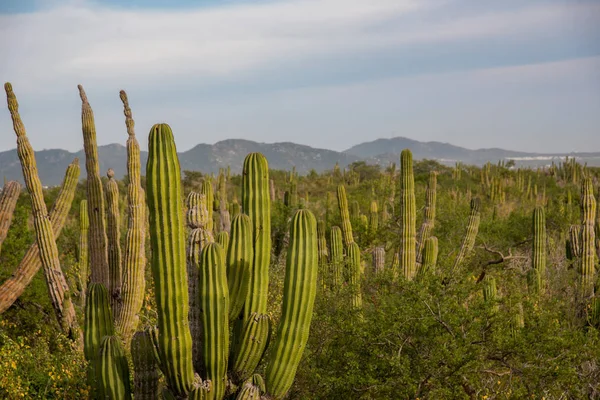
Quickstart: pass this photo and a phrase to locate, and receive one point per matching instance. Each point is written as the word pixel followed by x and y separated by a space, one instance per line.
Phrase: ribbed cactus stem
pixel 223 240
pixel 430 255
pixel 378 259
pixel 113 369
pixel 46 240
pixel 337 257
pixel 239 263
pixel 113 234
pixel 424 234
pixel 354 274
pixel 395 265
pixel 249 345
pixel 574 242
pixel 134 258
pixel 8 201
pixel 471 234
pixel 428 214
pixel 214 306
pixel 538 252
pixel 490 293
pixel 323 253
pixel 345 215
pixel 252 389
pixel 299 291
pixel 588 239
pixel 167 237
pixel 145 377
pixel 84 227
pixel 207 190
pixel 408 211
pixel 98 241
pixel 14 286
pixel 374 217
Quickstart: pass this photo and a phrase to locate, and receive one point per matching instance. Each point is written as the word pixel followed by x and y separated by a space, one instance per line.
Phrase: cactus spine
pixel 134 261
pixel 239 263
pixel 472 228
pixel 538 254
pixel 98 239
pixel 113 231
pixel 14 286
pixel 8 202
pixel 113 369
pixel 214 311
pixel 168 259
pixel 298 299
pixel 337 256
pixel 408 212
pixel 345 215
pixel 354 274
pixel 145 377
pixel 588 240
pixel 48 251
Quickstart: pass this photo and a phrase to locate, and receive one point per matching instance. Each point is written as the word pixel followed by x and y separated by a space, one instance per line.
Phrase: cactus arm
pixel 113 233
pixel 145 377
pixel 337 256
pixel 8 202
pixel 113 369
pixel 345 215
pixel 239 263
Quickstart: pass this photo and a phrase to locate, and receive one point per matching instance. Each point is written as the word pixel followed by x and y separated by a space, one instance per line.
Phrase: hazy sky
pixel 523 75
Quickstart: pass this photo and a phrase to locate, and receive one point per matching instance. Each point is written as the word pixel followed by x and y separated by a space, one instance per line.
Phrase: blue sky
pixel 522 75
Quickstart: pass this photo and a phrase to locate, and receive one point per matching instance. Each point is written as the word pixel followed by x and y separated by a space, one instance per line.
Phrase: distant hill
pixel 231 152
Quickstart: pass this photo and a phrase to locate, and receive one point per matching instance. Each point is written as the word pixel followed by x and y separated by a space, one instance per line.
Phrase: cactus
pixel 472 228
pixel 428 215
pixel 354 274
pixel 235 208
pixel 490 292
pixel 214 313
pixel 163 182
pixel 8 201
pixel 395 265
pixel 345 215
pixel 239 263
pixel 378 259
pixel 45 237
pixel 373 217
pixel 114 240
pixel 408 212
pixel 207 190
pixel 84 226
pixel 223 240
pixel 113 370
pixel 574 242
pixel 298 299
pixel 588 240
pixel 538 252
pixel 430 254
pixel 134 259
pixel 337 257
pixel 97 324
pixel 252 389
pixel 354 211
pixel 323 253
pixel 14 286
pixel 98 240
pixel 145 377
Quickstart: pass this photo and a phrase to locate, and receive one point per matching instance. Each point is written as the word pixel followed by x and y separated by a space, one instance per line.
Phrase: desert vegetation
pixel 362 282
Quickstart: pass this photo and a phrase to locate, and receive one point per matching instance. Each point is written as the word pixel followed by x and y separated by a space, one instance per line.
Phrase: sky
pixel 520 75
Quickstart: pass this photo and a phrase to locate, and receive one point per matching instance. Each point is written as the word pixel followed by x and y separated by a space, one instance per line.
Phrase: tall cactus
pixel 472 228
pixel 354 274
pixel 323 253
pixel 98 240
pixel 374 217
pixel 134 259
pixel 300 287
pixel 8 202
pixel 55 279
pixel 538 252
pixel 490 293
pixel 84 227
pixel 378 259
pixel 428 214
pixel 588 240
pixel 145 377
pixel 239 263
pixel 345 215
pixel 214 306
pixel 430 254
pixel 14 286
pixel 207 190
pixel 337 256
pixel 408 211
pixel 113 369
pixel 223 240
pixel 113 233
pixel 163 180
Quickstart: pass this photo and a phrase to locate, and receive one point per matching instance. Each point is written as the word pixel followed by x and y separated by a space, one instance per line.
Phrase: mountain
pixel 231 152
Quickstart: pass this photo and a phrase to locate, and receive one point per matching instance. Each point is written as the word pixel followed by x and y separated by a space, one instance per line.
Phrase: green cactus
pixel 378 259
pixel 408 211
pixel 588 240
pixel 345 215
pixel 239 263
pixel 490 293
pixel 8 201
pixel 395 265
pixel 430 254
pixel 538 252
pixel 134 259
pixel 145 377
pixel 167 237
pixel 355 274
pixel 214 313
pixel 354 211
pixel 249 345
pixel 428 215
pixel 223 240
pixel 99 271
pixel 323 253
pixel 374 217
pixel 113 370
pixel 337 257
pixel 45 237
pixel 299 292
pixel 84 226
pixel 252 389
pixel 207 190
pixel 113 233
pixel 471 234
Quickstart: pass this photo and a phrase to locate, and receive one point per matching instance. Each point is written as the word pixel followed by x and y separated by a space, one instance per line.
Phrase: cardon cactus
pixel 83 261
pixel 378 259
pixel 408 211
pixel 490 293
pixel 345 215
pixel 207 190
pixel 355 274
pixel 239 263
pixel 8 201
pixel 300 288
pixel 252 389
pixel 430 254
pixel 337 257
pixel 113 371
pixel 472 228
pixel 588 239
pixel 145 377
pixel 538 252
pixel 167 237
pixel 113 231
pixel 373 217
pixel 428 215
pixel 323 253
